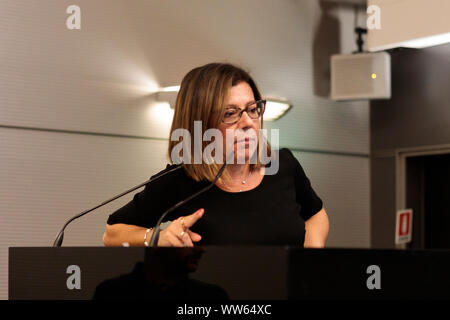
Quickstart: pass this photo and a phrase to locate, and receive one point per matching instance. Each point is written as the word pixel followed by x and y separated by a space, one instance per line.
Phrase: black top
pixel 272 213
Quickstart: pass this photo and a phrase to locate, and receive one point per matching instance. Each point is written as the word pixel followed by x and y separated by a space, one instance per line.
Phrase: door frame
pixel 401 156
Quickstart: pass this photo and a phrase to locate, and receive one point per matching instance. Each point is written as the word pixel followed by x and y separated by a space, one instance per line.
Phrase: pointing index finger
pixel 191 219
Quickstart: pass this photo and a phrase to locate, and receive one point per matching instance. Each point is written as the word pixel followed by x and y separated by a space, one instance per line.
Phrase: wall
pixel 417 116
pixel 77 125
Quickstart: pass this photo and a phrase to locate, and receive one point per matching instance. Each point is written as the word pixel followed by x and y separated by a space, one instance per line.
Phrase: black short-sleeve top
pixel 272 213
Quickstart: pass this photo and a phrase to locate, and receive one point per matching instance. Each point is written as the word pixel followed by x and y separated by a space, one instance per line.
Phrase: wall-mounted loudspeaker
pixel 361 76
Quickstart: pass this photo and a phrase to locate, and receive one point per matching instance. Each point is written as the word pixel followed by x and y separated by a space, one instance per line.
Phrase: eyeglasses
pixel 254 111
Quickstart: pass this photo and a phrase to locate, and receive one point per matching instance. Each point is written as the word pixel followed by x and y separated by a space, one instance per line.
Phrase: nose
pixel 245 122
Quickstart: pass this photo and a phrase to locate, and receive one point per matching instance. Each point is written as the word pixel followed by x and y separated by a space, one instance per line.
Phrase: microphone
pixel 155 234
pixel 60 236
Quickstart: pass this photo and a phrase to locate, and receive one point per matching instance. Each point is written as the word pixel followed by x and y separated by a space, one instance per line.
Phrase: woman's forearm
pixel 118 234
pixel 317 228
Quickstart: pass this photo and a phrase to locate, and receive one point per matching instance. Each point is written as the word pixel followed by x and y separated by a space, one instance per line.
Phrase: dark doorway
pixel 428 194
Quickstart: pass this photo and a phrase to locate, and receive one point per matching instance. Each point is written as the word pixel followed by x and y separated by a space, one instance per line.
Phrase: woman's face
pixel 243 135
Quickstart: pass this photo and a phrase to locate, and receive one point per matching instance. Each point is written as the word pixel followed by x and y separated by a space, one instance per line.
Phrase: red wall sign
pixel 403 228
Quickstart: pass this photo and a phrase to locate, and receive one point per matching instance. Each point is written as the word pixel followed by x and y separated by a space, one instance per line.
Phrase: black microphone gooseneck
pixel 155 234
pixel 60 236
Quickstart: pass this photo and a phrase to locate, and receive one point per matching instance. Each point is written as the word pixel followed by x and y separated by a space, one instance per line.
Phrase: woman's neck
pixel 237 171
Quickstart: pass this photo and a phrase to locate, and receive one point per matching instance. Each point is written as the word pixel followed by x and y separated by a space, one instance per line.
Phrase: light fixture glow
pixel 275 108
pixel 167 95
pixel 374 75
pixel 170 89
pixel 162 111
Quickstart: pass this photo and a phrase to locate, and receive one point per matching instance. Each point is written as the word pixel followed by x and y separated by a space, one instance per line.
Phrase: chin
pixel 243 154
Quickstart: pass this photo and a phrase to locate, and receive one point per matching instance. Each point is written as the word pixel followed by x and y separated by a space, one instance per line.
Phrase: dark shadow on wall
pixel 326 43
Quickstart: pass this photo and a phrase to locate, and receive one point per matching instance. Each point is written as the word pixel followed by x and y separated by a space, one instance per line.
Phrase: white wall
pixel 77 125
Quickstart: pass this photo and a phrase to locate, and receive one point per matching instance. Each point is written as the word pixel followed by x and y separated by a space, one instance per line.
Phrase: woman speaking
pixel 246 205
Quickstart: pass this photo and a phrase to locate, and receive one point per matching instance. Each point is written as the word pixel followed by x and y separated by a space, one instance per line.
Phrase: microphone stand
pixel 60 236
pixel 155 234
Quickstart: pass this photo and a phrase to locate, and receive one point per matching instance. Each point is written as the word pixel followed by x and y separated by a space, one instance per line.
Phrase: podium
pixel 226 272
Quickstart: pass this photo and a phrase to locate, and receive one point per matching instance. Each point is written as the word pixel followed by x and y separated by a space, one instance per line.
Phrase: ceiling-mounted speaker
pixel 361 76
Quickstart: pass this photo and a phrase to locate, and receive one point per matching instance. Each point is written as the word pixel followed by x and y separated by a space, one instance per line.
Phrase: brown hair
pixel 202 97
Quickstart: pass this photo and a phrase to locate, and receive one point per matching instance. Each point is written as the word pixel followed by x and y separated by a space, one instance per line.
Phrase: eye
pixel 230 113
pixel 253 110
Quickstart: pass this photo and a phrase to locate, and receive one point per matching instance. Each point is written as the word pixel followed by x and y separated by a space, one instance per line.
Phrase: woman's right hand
pixel 177 234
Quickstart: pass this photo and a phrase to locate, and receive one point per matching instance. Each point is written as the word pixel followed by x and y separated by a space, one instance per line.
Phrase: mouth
pixel 245 140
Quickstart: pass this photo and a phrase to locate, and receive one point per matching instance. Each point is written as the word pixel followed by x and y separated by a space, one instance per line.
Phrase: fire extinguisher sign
pixel 403 226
